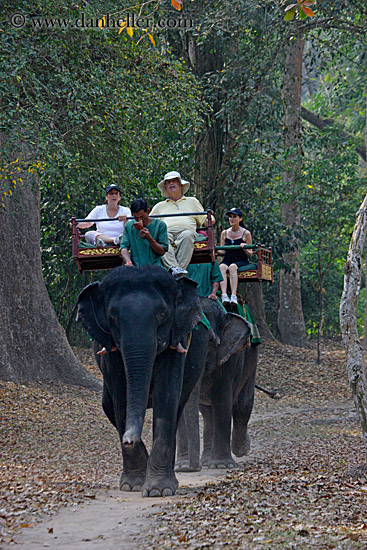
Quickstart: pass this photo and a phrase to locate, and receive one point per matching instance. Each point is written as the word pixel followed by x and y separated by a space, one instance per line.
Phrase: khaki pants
pixel 180 248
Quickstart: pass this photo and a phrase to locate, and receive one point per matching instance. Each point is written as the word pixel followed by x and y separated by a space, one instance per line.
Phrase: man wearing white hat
pixel 181 229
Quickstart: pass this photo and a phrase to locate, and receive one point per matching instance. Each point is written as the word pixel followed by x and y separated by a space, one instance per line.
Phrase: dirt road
pixel 111 521
pixel 291 492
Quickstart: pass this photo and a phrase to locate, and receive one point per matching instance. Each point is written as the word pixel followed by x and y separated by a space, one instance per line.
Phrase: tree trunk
pixel 291 323
pixel 253 294
pixel 348 318
pixel 321 321
pixel 33 345
pixel 365 315
pixel 211 141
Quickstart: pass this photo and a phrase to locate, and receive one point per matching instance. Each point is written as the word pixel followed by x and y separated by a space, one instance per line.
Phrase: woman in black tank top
pixel 233 259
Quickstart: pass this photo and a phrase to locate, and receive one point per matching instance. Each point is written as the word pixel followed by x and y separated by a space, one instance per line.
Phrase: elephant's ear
pixel 188 312
pixel 234 336
pixel 92 314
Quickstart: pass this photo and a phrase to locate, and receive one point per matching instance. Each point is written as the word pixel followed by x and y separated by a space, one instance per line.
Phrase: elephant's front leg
pixel 188 435
pixel 221 398
pixel 135 457
pixel 114 405
pixel 207 414
pixel 182 452
pixel 135 463
pixel 242 410
pixel 134 460
pixel 160 477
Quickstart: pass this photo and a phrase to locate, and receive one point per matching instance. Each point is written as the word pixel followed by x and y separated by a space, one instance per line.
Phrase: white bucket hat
pixel 171 176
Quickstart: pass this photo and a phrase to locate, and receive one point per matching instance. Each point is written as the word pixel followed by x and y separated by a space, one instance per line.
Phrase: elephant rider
pixel 146 238
pixel 108 231
pixel 236 234
pixel 181 229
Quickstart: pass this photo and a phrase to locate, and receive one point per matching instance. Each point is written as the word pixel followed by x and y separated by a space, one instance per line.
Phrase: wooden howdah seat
pixel 92 258
pixel 260 271
pixel 261 267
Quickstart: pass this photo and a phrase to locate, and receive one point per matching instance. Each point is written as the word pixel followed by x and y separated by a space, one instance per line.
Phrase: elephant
pixel 225 392
pixel 143 311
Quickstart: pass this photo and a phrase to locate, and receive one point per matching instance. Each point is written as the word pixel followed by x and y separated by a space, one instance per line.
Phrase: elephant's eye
pixel 162 315
pixel 113 316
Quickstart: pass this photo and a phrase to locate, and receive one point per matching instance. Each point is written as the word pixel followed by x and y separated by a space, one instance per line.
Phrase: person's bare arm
pixel 205 224
pixel 247 238
pixel 124 253
pixel 158 248
pixel 84 225
pixel 213 294
pixel 222 241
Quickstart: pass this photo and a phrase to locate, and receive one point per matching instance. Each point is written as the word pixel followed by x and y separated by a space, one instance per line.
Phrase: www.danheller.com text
pixel 104 22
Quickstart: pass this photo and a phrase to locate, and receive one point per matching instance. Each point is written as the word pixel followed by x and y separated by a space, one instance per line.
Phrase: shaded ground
pixel 290 492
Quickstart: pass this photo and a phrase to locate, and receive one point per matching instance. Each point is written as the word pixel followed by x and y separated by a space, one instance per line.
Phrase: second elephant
pixel 224 393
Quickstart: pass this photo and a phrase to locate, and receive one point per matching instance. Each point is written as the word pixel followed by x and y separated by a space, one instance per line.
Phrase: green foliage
pixel 331 194
pixel 96 108
pixel 332 180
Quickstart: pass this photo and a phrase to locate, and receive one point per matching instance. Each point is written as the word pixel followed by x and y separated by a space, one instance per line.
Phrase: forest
pixel 215 102
pixel 258 112
pixel 261 105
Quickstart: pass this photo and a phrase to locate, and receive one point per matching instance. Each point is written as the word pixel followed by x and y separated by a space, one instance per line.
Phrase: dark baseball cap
pixel 235 211
pixel 111 187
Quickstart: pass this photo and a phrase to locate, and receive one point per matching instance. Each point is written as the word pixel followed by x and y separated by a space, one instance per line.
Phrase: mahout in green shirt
pixel 140 250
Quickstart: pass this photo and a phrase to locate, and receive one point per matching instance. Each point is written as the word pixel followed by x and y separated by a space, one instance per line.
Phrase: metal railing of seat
pixel 205 251
pixel 106 257
pixel 205 212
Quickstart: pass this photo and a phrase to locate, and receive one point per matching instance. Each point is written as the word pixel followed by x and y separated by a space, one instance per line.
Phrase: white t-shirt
pixel 113 228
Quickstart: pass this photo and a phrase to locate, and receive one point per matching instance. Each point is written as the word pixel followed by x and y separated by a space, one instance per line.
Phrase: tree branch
pixel 322 122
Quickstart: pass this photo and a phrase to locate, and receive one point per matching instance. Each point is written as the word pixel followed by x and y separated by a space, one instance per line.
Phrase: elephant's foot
pixel 205 460
pixel 222 463
pixel 241 446
pixel 218 463
pixel 160 487
pixel 131 482
pixel 187 465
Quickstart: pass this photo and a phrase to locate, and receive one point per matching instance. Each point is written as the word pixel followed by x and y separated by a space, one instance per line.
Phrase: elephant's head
pixel 230 333
pixel 142 311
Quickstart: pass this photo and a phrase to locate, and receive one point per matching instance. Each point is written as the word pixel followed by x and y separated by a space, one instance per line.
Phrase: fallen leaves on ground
pixel 291 492
pixel 57 447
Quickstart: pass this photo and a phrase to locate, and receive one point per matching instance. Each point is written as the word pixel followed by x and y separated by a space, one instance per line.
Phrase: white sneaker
pixel 225 298
pixel 116 240
pixel 178 272
pixel 234 299
pixel 99 242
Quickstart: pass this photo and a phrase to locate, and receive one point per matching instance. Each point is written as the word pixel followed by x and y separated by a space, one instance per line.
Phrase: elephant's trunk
pixel 138 367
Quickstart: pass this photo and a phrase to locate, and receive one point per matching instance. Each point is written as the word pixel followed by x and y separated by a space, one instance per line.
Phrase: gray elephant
pixel 224 393
pixel 143 312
